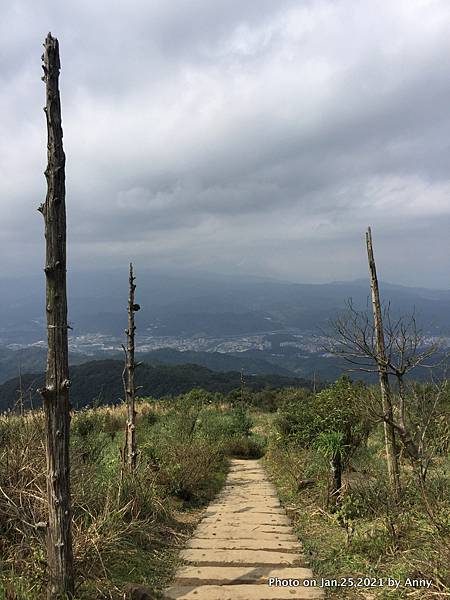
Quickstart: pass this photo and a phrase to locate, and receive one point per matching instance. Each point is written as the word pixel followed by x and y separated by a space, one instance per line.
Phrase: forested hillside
pixel 32 360
pixel 100 382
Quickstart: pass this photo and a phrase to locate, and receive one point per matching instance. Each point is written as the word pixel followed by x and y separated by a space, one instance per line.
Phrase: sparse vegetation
pixel 364 533
pixel 127 527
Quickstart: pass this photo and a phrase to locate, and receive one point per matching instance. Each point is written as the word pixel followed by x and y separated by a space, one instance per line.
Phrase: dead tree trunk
pixel 130 389
pixel 389 431
pixel 336 477
pixel 56 391
pixel 242 387
pixel 20 399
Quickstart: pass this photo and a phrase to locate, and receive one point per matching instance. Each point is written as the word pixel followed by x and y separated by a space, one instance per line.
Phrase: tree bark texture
pixel 336 476
pixel 405 435
pixel 130 390
pixel 56 391
pixel 389 430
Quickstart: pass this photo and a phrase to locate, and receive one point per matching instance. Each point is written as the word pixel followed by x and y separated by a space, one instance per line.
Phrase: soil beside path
pixel 244 540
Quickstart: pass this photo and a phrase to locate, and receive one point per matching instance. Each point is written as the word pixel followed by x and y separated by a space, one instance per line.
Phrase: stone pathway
pixel 244 540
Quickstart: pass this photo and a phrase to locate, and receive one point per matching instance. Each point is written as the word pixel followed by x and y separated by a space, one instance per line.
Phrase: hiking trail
pixel 244 540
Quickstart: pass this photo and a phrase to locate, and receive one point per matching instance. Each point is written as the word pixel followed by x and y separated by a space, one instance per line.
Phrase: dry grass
pixel 356 541
pixel 125 526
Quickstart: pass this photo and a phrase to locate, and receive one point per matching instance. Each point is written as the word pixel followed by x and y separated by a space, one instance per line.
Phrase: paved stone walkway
pixel 244 540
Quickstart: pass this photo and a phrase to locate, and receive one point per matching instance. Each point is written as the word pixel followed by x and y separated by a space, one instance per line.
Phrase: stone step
pixel 237 530
pixel 239 557
pixel 237 575
pixel 256 507
pixel 251 494
pixel 249 503
pixel 249 499
pixel 242 519
pixel 240 482
pixel 245 492
pixel 244 544
pixel 230 534
pixel 241 592
pixel 248 510
pixel 251 488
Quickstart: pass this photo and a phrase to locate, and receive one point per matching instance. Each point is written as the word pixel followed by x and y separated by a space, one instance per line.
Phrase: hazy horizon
pixel 192 274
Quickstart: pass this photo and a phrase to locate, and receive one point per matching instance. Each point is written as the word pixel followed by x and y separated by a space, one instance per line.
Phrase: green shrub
pixel 88 438
pixel 245 447
pixel 184 416
pixel 241 422
pixel 339 410
pixel 330 444
pixel 187 468
pixel 112 423
pixel 86 422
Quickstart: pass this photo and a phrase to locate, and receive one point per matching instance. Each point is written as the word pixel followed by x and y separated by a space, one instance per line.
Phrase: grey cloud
pixel 261 135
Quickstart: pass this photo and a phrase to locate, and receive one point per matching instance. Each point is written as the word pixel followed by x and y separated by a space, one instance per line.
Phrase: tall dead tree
pixel 242 387
pixel 20 400
pixel 354 339
pixel 382 364
pixel 55 394
pixel 130 365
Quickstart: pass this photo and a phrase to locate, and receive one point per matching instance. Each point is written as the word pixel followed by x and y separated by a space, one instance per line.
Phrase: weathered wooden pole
pixel 55 394
pixel 242 387
pixel 336 475
pixel 20 392
pixel 389 430
pixel 130 389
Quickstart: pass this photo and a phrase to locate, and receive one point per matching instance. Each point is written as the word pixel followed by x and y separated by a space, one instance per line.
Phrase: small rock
pixel 137 592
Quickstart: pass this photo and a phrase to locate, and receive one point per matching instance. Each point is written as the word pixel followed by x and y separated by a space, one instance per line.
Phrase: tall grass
pixel 127 527
pixel 365 535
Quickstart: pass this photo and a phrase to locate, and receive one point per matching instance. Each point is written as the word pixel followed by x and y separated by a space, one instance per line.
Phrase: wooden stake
pixel 56 391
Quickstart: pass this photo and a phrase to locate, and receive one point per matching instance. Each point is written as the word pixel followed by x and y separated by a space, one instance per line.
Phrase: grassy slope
pixel 133 536
pixel 355 541
pixel 125 530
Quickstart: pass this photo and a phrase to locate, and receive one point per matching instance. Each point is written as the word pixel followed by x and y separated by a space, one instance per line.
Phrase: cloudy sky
pixel 253 137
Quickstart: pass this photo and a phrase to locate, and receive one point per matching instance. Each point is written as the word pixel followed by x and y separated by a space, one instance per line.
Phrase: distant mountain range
pixel 204 306
pixel 100 382
pixel 260 327
pixel 33 360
